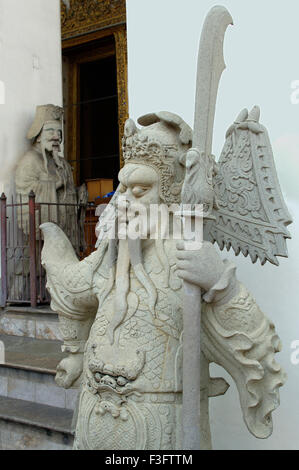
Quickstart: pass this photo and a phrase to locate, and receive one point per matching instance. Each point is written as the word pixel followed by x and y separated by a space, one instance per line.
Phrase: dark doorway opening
pixel 99 145
pixel 91 117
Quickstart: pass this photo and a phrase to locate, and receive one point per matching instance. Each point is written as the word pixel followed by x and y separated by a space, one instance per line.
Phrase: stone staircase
pixel 35 413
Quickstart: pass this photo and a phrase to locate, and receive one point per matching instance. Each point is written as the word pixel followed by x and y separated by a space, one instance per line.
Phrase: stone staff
pixel 198 189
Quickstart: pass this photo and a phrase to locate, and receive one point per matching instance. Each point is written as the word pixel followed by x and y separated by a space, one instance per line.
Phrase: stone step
pixel 25 425
pixel 39 323
pixel 25 309
pixel 29 369
pixel 39 355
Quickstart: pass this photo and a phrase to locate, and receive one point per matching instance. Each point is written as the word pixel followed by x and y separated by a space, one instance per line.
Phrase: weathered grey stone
pixel 21 389
pixel 3 386
pixel 17 326
pixel 71 399
pixel 32 354
pixel 29 426
pixel 14 436
pixel 50 395
pixel 45 172
pixel 121 309
pixel 36 387
pixel 39 325
pixel 47 330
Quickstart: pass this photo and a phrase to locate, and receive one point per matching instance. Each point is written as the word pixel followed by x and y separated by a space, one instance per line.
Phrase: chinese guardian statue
pixel 122 310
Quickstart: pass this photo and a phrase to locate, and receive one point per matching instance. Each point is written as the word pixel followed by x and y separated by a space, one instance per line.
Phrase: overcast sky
pixel 261 53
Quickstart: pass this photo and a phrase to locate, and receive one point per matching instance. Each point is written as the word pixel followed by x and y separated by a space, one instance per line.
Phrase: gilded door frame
pixel 87 21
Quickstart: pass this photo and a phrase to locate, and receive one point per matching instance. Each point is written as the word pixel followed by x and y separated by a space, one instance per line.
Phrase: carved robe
pixel 33 175
pixel 131 391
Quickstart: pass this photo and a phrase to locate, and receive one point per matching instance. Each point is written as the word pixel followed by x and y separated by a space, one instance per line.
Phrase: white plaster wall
pixel 30 71
pixel 262 60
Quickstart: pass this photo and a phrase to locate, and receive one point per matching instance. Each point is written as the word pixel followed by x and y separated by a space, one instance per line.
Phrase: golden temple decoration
pixel 88 20
pixel 85 16
pixel 120 37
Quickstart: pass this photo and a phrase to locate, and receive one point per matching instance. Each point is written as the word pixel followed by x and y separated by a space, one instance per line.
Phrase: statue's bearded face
pixel 51 136
pixel 139 185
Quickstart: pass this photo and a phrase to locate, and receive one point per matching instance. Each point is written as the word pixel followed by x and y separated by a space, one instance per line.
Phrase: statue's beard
pixel 52 150
pixel 60 170
pixel 122 255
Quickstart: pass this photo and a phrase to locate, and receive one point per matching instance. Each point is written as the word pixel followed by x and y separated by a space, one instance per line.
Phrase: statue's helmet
pixel 43 114
pixel 162 143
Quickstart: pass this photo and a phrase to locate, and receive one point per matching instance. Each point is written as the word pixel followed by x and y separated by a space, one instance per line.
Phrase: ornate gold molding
pixel 120 37
pixel 85 16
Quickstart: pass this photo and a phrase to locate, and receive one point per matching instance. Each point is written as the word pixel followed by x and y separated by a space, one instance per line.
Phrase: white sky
pixel 261 53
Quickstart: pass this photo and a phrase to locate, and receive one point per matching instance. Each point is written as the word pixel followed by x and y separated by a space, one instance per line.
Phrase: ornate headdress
pixel 44 113
pixel 161 144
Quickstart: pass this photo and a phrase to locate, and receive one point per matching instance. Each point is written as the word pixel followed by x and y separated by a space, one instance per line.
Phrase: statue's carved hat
pixel 43 114
pixel 161 143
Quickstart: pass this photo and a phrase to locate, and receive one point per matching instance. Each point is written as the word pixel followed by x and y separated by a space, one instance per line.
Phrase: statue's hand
pixel 69 370
pixel 203 267
pixel 59 183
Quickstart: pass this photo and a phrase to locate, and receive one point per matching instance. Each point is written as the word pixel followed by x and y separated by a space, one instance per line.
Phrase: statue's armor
pixel 132 390
pixel 145 360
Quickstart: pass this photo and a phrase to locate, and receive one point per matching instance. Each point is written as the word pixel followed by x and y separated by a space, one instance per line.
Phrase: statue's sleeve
pixel 73 299
pixel 28 177
pixel 70 283
pixel 240 338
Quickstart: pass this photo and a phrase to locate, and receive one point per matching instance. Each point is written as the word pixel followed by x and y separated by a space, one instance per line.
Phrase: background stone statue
pixel 44 170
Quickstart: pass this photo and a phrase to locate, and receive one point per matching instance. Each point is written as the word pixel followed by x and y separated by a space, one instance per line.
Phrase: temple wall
pixel 30 69
pixel 262 68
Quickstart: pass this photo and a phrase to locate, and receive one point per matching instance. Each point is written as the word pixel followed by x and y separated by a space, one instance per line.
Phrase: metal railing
pixel 23 279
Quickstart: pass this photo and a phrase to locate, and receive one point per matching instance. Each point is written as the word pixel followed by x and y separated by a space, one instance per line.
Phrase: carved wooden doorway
pixel 91 111
pixel 94 50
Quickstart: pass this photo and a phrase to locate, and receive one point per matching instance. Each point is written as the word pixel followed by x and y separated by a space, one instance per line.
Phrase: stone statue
pixel 45 172
pixel 122 312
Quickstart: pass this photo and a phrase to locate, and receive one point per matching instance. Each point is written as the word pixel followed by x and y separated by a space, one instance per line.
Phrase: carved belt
pixel 167 397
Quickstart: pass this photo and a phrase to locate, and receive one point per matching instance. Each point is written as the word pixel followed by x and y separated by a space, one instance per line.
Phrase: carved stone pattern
pixel 68 328
pixel 90 15
pixel 140 149
pixel 252 216
pixel 129 425
pixel 250 356
pixel 236 184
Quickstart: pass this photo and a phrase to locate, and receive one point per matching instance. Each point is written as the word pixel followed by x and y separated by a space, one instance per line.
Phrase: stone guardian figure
pixel 122 309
